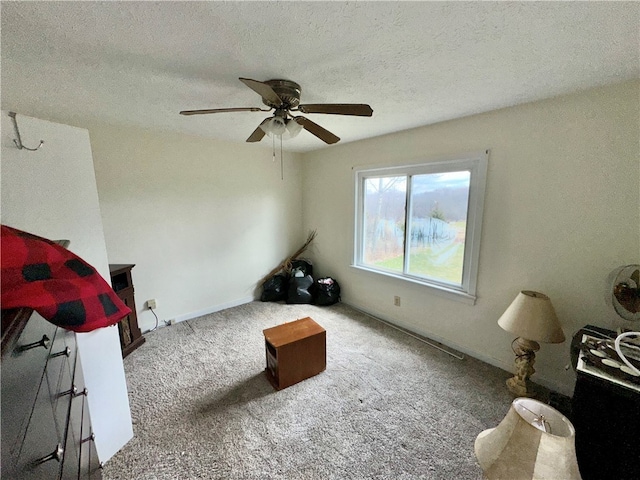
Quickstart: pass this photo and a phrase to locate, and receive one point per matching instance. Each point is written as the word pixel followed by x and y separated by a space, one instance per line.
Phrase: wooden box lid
pixel 292 331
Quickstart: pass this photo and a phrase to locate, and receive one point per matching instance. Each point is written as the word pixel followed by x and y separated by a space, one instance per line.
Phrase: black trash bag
pixel 274 289
pixel 327 291
pixel 303 266
pixel 300 290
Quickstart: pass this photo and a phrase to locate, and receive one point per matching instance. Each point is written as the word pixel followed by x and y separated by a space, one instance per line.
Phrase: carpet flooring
pixel 387 407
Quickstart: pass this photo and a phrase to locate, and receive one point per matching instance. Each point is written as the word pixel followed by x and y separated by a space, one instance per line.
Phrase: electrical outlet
pixel 396 301
pixel 151 304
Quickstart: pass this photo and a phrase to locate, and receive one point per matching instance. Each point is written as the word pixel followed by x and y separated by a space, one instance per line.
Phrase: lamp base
pixel 519 388
pixel 519 384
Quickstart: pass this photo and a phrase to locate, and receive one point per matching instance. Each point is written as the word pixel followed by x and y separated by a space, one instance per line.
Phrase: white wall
pixel 562 210
pixel 52 193
pixel 202 220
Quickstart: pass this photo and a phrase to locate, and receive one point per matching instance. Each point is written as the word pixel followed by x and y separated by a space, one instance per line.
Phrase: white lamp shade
pixel 519 448
pixel 532 316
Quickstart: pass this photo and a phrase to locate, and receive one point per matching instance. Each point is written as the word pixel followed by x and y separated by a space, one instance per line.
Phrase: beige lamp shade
pixel 520 448
pixel 532 316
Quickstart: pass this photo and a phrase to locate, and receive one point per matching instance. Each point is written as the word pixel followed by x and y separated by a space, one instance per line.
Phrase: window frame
pixel 477 164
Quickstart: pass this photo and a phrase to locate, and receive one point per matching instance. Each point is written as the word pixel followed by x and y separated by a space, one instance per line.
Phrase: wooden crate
pixel 294 351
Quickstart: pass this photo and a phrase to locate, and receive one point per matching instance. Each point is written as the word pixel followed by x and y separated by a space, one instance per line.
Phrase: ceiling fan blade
pixel 258 133
pixel 221 110
pixel 264 90
pixel 359 109
pixel 323 134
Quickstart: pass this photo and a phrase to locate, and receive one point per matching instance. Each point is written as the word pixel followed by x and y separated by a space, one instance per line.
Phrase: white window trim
pixel 477 164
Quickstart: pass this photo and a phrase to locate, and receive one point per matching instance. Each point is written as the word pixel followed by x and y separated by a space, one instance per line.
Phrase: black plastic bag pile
pixel 299 287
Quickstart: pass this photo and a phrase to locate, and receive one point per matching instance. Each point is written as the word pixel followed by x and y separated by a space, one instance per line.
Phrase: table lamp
pixel 532 317
pixel 533 441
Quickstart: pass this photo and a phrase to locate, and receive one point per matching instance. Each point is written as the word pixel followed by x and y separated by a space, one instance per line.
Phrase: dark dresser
pixel 122 283
pixel 606 415
pixel 46 430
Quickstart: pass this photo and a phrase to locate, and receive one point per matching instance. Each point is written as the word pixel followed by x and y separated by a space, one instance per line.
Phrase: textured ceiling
pixel 415 63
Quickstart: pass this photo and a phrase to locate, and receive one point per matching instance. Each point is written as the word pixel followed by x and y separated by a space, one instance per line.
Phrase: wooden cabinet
pixel 46 430
pixel 294 351
pixel 130 334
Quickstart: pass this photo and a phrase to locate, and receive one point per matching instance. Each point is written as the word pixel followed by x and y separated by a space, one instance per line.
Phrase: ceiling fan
pixel 283 96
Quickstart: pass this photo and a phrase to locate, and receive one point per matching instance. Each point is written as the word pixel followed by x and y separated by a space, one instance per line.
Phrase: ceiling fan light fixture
pixel 285 128
pixel 275 126
pixel 293 128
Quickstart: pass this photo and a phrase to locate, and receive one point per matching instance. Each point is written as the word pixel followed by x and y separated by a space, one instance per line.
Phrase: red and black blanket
pixel 38 273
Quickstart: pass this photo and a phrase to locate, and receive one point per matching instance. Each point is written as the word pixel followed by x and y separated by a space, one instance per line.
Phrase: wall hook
pixel 18 141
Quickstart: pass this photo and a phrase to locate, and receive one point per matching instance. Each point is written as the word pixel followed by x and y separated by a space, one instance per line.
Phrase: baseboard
pixel 551 385
pixel 213 309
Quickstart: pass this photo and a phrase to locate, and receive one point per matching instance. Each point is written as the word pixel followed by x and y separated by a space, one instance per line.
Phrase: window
pixel 422 222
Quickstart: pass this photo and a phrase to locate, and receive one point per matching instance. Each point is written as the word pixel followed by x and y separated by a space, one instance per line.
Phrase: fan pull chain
pixel 273 146
pixel 281 161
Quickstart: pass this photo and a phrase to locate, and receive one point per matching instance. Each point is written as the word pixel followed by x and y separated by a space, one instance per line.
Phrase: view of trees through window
pixel 437 206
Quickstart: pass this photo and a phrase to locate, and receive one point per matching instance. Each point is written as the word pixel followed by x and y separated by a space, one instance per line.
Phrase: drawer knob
pixel 90 438
pixel 66 352
pixel 55 455
pixel 43 342
pixel 77 393
pixel 73 391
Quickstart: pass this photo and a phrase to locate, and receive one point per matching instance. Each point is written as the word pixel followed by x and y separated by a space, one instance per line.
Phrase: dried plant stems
pixel 286 264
